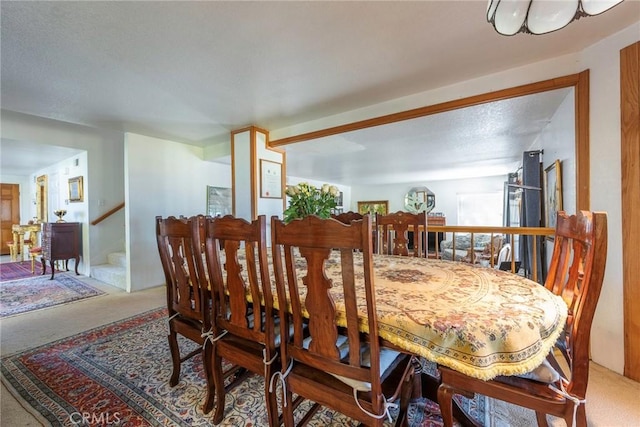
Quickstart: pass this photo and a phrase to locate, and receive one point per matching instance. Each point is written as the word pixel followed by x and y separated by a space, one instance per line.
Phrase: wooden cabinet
pixel 433 236
pixel 61 241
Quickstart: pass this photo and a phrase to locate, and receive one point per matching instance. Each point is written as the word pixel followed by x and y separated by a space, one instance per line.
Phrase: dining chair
pixel 243 318
pixel 187 301
pixel 331 362
pixel 347 217
pixel 575 273
pixel 393 230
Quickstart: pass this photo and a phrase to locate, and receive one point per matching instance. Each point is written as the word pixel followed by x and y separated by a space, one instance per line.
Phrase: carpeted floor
pixel 120 372
pixel 37 292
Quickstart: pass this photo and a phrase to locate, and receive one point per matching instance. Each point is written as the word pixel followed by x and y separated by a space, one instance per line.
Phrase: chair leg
pixel 210 398
pixel 175 355
pixel 541 418
pixel 218 380
pixel 405 396
pixel 271 398
pixel 445 401
pixel 287 410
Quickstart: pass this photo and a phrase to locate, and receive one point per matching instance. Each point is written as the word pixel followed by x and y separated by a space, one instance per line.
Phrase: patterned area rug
pixel 120 373
pixel 37 292
pixel 18 270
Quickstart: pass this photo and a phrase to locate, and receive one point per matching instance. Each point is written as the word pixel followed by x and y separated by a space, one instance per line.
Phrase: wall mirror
pixel 419 199
pixel 344 149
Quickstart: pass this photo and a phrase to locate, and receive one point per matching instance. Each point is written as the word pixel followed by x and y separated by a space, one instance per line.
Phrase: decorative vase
pixel 60 213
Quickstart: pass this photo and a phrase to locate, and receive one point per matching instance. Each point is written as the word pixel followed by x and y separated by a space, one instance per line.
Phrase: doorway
pixel 10 213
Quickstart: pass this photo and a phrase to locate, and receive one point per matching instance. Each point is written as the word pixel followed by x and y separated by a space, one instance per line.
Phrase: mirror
pixel 419 199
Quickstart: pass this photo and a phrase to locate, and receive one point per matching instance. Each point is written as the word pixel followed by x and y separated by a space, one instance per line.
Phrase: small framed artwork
pixel 339 199
pixel 552 193
pixel 270 179
pixel 373 207
pixel 218 201
pixel 75 189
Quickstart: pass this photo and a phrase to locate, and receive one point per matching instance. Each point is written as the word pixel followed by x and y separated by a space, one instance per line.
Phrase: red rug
pixel 118 374
pixel 18 270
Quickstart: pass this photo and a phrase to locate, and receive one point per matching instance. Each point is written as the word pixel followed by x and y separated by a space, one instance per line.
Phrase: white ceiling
pixel 194 71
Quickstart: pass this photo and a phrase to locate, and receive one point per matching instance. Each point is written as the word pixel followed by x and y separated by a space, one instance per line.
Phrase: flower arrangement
pixel 305 199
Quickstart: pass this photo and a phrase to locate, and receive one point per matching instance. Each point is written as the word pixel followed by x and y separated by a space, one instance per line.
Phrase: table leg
pixel 21 245
pixel 15 246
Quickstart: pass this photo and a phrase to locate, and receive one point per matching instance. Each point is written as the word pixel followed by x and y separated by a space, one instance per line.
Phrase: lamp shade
pixel 510 17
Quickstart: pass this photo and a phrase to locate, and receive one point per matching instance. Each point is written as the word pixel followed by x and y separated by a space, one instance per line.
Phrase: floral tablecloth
pixel 480 321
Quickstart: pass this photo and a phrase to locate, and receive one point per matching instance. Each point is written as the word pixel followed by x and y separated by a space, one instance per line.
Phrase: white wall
pixel 603 59
pixel 161 178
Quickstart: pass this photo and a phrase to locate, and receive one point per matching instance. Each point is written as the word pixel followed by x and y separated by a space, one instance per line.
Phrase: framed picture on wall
pixel 218 201
pixel 552 193
pixel 75 189
pixel 373 207
pixel 270 179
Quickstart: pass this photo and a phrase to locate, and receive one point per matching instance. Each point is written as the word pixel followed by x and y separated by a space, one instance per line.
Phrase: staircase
pixel 114 272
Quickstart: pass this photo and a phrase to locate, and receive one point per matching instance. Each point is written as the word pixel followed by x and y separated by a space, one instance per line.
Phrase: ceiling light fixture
pixel 510 17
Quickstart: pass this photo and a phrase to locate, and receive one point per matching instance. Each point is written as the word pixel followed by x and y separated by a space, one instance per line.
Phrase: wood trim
pixel 630 184
pixel 107 214
pixel 580 82
pixel 582 151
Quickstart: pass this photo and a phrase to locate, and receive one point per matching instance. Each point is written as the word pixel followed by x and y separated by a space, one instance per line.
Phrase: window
pixel 480 209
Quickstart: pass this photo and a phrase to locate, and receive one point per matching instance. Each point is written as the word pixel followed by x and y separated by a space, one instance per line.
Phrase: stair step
pixel 111 274
pixel 118 259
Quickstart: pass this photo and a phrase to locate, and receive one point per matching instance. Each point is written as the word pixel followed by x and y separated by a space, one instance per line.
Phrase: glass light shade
pixel 510 17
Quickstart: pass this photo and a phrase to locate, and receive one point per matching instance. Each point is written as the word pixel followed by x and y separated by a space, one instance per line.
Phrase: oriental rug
pixel 18 270
pixel 37 292
pixel 118 374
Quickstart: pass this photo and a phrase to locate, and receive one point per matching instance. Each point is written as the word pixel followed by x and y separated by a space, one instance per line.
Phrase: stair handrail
pixel 107 214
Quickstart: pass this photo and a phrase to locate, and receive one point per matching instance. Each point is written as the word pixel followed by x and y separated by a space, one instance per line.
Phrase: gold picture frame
pixel 552 193
pixel 76 193
pixel 373 207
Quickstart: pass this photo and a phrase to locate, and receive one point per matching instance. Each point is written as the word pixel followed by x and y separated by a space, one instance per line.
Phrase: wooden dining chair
pixel 347 217
pixel 243 318
pixel 187 301
pixel 575 273
pixel 393 230
pixel 331 362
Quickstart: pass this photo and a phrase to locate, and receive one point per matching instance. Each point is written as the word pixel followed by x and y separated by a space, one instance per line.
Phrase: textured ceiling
pixel 194 71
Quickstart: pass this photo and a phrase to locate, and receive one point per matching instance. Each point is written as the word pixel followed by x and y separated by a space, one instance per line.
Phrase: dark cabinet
pixel 61 241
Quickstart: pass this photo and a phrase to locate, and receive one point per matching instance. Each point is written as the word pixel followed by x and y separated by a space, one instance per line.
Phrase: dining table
pixel 480 321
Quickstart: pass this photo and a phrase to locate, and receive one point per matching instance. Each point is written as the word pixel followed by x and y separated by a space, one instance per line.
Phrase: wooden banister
pixel 107 214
